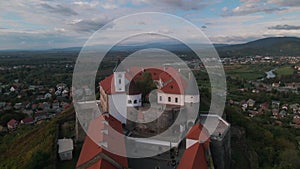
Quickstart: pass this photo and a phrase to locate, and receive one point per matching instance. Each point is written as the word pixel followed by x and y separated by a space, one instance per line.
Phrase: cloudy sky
pixel 43 24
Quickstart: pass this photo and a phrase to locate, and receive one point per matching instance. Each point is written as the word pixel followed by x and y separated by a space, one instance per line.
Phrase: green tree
pixel 145 84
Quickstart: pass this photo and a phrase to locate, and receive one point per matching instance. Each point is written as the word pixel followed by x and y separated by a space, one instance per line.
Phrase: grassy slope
pixel 31 146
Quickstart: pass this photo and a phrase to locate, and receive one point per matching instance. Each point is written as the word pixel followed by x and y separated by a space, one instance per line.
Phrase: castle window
pixel 169 99
pixel 176 100
pixel 135 101
pixel 129 102
pixel 120 81
pixel 160 98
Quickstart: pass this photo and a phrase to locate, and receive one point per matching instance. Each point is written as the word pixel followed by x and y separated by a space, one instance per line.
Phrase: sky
pixel 47 24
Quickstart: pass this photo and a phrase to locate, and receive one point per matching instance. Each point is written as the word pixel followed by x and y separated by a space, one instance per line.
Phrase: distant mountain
pixel 275 46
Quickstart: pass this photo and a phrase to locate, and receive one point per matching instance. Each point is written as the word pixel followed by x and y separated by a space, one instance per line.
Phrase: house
pixel 12 124
pixel 296 119
pixel 275 85
pixel 295 108
pixel 46 106
pixel 253 113
pixel 40 116
pixel 60 86
pixel 12 89
pixel 282 113
pixel 275 104
pixel 51 90
pixel 264 106
pixel 244 106
pixel 28 112
pixel 285 107
pixel 18 106
pixel 47 96
pixel 250 103
pixel 275 112
pixel 65 148
pixel 28 120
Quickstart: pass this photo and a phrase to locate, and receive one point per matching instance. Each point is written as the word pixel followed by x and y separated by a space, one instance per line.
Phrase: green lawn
pixel 286 70
pixel 248 72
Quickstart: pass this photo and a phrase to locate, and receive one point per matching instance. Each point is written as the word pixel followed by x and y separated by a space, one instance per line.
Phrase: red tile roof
pixel 172 79
pixel 12 122
pixel 108 84
pixel 115 144
pixel 27 120
pixel 193 158
pixel 102 164
pixel 198 132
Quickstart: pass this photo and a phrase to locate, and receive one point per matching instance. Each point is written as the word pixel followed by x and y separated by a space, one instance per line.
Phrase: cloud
pixel 242 10
pixel 250 7
pixel 178 4
pixel 286 3
pixel 86 4
pixel 225 9
pixel 63 10
pixel 109 6
pixel 285 27
pixel 89 25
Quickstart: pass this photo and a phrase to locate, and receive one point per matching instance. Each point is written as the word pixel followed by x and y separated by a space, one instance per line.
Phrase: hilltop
pixel 274 46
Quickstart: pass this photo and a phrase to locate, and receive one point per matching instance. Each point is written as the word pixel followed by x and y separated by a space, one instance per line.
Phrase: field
pixel 285 70
pixel 248 72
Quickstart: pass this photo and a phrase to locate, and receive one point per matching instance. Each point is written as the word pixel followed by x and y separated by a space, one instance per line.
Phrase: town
pixel 262 90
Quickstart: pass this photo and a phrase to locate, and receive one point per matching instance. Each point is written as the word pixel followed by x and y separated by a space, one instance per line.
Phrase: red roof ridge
pixel 194 158
pixel 198 132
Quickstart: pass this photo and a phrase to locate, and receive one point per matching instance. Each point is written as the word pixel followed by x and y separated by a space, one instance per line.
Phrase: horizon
pixel 132 45
pixel 53 24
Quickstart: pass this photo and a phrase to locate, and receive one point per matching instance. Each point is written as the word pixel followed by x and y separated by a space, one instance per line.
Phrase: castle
pixel 125 110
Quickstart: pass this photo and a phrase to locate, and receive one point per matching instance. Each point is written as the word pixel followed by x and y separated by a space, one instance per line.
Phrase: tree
pixel 145 84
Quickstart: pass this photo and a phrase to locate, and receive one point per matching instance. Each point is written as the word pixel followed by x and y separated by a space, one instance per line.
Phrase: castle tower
pixel 119 77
